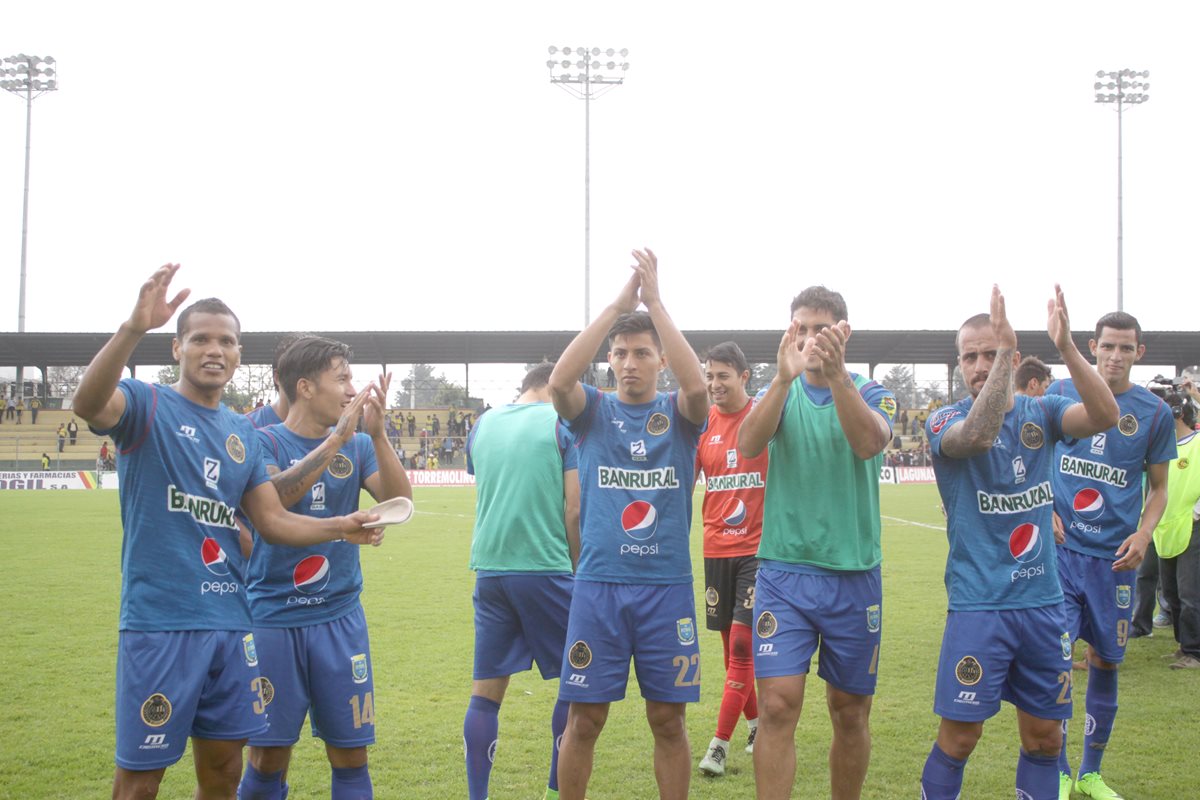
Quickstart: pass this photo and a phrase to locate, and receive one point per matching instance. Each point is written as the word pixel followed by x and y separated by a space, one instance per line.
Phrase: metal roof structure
pixel 1174 349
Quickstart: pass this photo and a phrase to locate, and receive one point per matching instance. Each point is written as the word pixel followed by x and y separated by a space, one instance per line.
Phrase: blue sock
pixel 481 731
pixel 285 791
pixel 1063 764
pixel 943 776
pixel 1037 777
pixel 257 785
pixel 1101 705
pixel 351 783
pixel 558 724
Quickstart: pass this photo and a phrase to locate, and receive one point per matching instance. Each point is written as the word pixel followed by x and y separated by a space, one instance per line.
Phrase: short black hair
pixel 634 322
pixel 727 353
pixel 209 305
pixel 1031 367
pixel 819 298
pixel 1181 406
pixel 537 376
pixel 308 358
pixel 1119 321
pixel 285 341
pixel 977 321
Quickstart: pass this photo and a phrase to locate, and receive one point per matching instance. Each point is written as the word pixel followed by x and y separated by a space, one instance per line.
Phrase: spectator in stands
pixel 437 425
pixel 452 421
pixel 73 430
pixel 62 436
pixel 432 463
pixel 35 405
pixel 403 455
pixel 412 424
pixel 20 409
pixel 1032 377
pixel 420 460
pixel 45 462
pixel 448 451
pixel 11 408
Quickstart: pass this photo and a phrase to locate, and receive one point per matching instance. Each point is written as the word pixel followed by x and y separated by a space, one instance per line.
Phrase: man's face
pixel 1116 352
pixel 726 386
pixel 977 348
pixel 812 321
pixel 330 393
pixel 208 354
pixel 636 362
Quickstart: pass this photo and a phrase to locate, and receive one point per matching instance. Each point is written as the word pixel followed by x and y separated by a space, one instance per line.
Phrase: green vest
pixel 822 502
pixel 1174 530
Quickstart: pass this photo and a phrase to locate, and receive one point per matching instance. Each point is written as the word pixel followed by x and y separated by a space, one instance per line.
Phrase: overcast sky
pixel 394 166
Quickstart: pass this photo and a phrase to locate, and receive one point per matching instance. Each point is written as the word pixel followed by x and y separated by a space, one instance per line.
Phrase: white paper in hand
pixel 396 511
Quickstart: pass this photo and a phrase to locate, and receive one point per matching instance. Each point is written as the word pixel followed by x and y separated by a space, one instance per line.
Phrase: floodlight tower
pixel 587 83
pixel 31 77
pixel 1122 81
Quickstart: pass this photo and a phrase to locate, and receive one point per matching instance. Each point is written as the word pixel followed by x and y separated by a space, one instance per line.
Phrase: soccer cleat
pixel 1064 786
pixel 1178 654
pixel 1162 620
pixel 1092 785
pixel 713 763
pixel 1187 662
pixel 750 740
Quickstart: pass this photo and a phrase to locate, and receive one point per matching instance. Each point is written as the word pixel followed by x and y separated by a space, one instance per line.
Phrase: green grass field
pixel 56 674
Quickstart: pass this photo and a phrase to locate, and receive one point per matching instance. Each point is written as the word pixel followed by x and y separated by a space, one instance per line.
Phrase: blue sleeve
pixel 880 400
pixel 1054 407
pixel 580 425
pixel 1162 447
pixel 691 428
pixel 566 446
pixel 256 457
pixel 268 448
pixel 940 422
pixel 368 465
pixel 1055 388
pixel 471 446
pixel 135 421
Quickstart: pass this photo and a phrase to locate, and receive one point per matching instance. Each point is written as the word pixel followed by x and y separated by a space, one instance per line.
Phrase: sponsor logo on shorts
pixel 212 472
pixel 341 467
pixel 966 698
pixel 1023 795
pixel 1065 641
pixel 874 618
pixel 737 516
pixel 685 630
pixel 579 656
pixel 968 671
pixel 658 424
pixel 1088 504
pixel 1128 425
pixel 578 681
pixel 1032 436
pixel 1124 596
pixel 767 625
pixel 235 448
pixel 711 597
pixel 766 649
pixel 266 691
pixel 249 651
pixel 155 741
pixel 156 710
pixel 358 667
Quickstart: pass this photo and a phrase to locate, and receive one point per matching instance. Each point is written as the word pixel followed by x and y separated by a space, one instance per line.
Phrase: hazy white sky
pixel 408 165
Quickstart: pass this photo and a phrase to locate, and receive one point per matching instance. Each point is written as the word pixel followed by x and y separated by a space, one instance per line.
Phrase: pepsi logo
pixel 738 515
pixel 1089 504
pixel 311 575
pixel 1025 543
pixel 639 519
pixel 214 558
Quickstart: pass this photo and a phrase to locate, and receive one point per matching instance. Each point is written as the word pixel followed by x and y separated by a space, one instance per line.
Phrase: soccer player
pixel 186 663
pixel 275 412
pixel 633 588
pixel 524 550
pixel 1032 377
pixel 1098 498
pixel 818 580
pixel 309 626
pixel 733 509
pixel 1006 631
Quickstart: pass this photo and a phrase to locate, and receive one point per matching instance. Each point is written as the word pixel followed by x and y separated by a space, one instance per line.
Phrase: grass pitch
pixel 62 551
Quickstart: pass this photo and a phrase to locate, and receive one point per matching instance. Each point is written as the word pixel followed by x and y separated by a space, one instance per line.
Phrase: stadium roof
pixel 1176 349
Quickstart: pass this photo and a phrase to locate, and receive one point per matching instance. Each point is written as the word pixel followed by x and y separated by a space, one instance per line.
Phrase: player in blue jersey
pixel 309 625
pixel 633 588
pixel 276 411
pixel 523 551
pixel 187 663
pixel 1098 498
pixel 1006 632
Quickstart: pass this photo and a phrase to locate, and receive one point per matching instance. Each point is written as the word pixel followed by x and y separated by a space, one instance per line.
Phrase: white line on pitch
pixel 915 524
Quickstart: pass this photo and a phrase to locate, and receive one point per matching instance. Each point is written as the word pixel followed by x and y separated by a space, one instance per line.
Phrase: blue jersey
pixel 263 416
pixel 999 508
pixel 637 472
pixel 183 470
pixel 1098 481
pixel 293 586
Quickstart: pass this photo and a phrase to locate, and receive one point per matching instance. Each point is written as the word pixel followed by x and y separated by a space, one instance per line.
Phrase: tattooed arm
pixel 295 481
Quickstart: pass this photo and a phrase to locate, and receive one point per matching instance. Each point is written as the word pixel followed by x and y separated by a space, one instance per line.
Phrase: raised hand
pixel 1058 324
pixel 647 272
pixel 627 300
pixel 348 422
pixel 375 410
pixel 152 309
pixel 793 353
pixel 1005 335
pixel 829 345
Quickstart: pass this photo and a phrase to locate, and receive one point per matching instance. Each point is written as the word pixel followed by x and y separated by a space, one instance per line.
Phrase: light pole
pixel 1122 81
pixel 587 82
pixel 23 75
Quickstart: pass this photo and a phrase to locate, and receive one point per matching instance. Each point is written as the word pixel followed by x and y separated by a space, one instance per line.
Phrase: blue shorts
pixel 1098 601
pixel 520 619
pixel 1019 655
pixel 176 684
pixel 323 670
pixel 794 611
pixel 611 622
